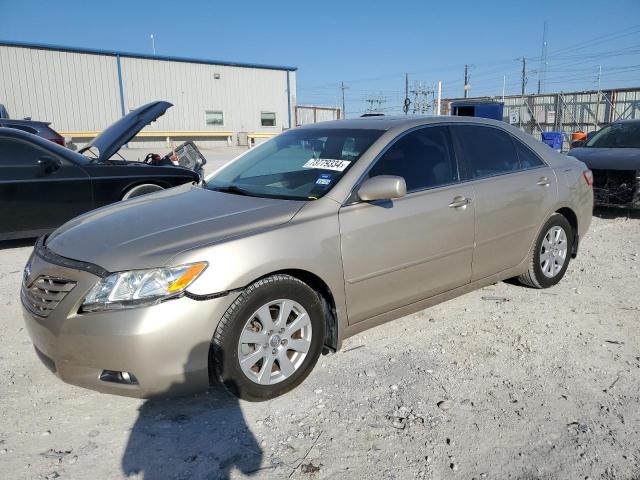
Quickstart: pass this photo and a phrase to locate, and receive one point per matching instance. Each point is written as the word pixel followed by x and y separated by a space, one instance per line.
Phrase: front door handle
pixel 543 182
pixel 460 202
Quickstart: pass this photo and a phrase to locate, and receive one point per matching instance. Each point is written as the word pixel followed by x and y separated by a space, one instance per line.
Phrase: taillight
pixel 59 141
pixel 588 177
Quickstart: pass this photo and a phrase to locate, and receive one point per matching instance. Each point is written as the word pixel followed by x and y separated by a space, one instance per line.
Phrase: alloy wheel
pixel 274 342
pixel 553 251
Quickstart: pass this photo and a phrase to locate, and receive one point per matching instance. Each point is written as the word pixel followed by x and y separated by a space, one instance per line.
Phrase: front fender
pixel 309 242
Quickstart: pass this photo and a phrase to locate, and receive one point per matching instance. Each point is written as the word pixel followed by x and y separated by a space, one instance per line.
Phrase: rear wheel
pixel 269 339
pixel 550 255
pixel 141 190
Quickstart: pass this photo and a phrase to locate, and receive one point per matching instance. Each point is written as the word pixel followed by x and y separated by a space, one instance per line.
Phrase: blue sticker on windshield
pixel 324 179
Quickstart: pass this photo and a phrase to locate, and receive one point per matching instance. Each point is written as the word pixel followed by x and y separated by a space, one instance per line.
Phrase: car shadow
pixel 21 242
pixel 198 436
pixel 612 212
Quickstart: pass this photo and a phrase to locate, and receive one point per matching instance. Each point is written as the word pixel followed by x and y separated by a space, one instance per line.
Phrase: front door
pixel 39 190
pixel 401 251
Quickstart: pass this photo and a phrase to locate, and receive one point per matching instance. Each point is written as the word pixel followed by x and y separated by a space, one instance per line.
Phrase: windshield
pixel 299 164
pixel 617 135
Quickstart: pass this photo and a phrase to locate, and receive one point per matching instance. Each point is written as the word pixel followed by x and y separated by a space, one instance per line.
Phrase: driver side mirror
pixel 48 164
pixel 382 187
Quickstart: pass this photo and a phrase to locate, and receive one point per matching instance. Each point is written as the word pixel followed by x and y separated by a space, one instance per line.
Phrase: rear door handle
pixel 543 182
pixel 460 202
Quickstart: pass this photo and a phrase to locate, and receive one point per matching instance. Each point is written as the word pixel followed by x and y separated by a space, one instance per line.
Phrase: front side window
pixel 16 153
pixel 214 118
pixel 488 151
pixel 424 158
pixel 617 135
pixel 299 164
pixel 268 119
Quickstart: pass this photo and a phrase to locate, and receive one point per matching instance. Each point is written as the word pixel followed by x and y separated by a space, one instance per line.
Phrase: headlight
pixel 138 288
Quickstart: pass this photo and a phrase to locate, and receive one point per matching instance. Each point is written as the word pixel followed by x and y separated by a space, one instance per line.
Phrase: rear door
pixel 404 250
pixel 515 191
pixel 37 197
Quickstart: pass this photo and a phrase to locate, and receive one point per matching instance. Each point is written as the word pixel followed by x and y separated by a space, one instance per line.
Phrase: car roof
pixel 26 123
pixel 627 121
pixel 396 121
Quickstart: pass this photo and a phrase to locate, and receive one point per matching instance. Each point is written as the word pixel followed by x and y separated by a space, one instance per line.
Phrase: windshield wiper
pixel 233 189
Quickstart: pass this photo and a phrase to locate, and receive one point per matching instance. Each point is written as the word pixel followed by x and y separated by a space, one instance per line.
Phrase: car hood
pixel 117 134
pixel 147 231
pixel 608 158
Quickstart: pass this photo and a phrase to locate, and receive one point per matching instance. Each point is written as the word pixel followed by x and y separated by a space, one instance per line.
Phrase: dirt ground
pixel 505 382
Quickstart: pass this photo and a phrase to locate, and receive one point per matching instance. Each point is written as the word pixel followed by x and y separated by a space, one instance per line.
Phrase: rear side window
pixel 487 150
pixel 424 158
pixel 526 157
pixel 15 153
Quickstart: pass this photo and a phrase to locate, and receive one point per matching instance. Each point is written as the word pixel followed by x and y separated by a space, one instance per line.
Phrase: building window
pixel 268 119
pixel 214 118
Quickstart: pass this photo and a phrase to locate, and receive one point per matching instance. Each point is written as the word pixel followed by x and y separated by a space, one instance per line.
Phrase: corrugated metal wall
pixel 312 114
pixel 73 91
pixel 80 92
pixel 241 93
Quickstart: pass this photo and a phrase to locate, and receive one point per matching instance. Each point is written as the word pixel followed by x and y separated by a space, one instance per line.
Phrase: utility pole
pixel 504 85
pixel 343 87
pixel 438 110
pixel 542 72
pixel 466 80
pixel 524 74
pixel 407 102
pixel 595 122
pixel 153 44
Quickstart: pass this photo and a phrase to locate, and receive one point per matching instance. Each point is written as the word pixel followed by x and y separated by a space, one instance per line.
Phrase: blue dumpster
pixel 553 139
pixel 477 108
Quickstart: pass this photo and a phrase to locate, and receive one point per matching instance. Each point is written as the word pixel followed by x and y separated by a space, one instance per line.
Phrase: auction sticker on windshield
pixel 327 164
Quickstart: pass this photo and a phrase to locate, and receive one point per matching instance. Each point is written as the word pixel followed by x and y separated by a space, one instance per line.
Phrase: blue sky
pixel 369 45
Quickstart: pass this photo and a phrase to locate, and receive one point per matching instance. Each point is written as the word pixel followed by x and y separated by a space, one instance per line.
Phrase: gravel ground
pixel 505 382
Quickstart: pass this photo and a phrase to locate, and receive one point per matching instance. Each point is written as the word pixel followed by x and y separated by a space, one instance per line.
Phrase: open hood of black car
pixel 117 134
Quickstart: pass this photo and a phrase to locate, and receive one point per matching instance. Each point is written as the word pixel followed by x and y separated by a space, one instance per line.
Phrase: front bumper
pixel 617 188
pixel 165 346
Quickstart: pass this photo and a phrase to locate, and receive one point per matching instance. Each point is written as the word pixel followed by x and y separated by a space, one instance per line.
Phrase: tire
pixel 267 362
pixel 549 246
pixel 141 190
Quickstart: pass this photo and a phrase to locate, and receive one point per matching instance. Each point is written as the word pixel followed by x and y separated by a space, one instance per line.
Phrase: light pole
pixel 153 44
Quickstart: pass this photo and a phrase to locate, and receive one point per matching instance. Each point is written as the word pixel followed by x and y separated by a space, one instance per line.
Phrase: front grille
pixel 45 293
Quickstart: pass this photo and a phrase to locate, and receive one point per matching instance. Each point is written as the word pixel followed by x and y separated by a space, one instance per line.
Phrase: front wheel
pixel 269 339
pixel 550 255
pixel 141 190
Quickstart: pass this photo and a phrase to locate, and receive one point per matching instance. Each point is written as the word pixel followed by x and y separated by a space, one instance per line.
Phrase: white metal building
pixel 81 91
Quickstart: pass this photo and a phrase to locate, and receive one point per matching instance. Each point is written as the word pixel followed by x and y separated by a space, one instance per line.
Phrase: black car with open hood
pixel 42 184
